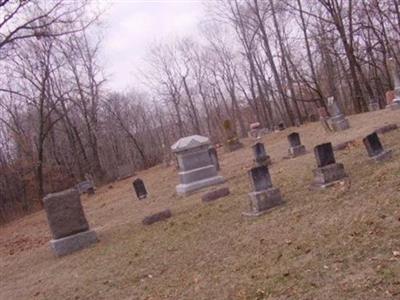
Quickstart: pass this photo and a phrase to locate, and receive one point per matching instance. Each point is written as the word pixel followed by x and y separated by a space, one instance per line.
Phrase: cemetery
pixel 143 239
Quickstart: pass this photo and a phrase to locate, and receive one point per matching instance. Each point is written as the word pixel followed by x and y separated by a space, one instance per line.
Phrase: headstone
pixel 196 169
pixel 395 72
pixel 373 104
pixel 67 222
pixel 255 130
pixel 263 196
pixel 375 149
pixel 232 142
pixel 338 120
pixel 295 146
pixel 328 172
pixel 160 216
pixel 215 194
pixel 214 157
pixel 281 126
pixel 140 189
pixel 85 186
pixel 260 155
pixel 389 96
pixel 125 171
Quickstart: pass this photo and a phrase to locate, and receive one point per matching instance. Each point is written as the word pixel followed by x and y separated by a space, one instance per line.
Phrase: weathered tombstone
pixel 395 72
pixel 67 222
pixel 328 171
pixel 215 194
pixel 338 120
pixel 295 146
pixel 196 169
pixel 214 157
pixel 232 142
pixel 85 186
pixel 375 149
pixel 373 104
pixel 140 189
pixel 324 118
pixel 260 155
pixel 160 216
pixel 263 196
pixel 255 130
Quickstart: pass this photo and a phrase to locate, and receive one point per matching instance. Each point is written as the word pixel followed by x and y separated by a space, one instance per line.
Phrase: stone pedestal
pixel 328 175
pixel 262 201
pixel 264 196
pixel 196 169
pixel 72 243
pixel 297 150
pixel 340 123
pixel 67 221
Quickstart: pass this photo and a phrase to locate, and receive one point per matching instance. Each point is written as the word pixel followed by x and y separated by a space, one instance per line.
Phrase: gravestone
pixel 140 189
pixel 389 97
pixel 373 104
pixel 196 169
pixel 328 171
pixel 255 130
pixel 375 149
pixel 67 222
pixel 338 120
pixel 232 142
pixel 215 194
pixel 160 216
pixel 295 146
pixel 260 155
pixel 263 196
pixel 214 157
pixel 395 72
pixel 281 126
pixel 85 186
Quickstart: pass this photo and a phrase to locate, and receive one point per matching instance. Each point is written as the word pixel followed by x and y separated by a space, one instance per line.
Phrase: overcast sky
pixel 131 25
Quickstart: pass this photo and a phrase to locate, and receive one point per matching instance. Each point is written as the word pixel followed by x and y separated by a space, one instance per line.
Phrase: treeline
pixel 267 61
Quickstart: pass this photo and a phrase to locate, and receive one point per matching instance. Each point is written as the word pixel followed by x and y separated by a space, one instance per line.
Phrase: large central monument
pixel 196 168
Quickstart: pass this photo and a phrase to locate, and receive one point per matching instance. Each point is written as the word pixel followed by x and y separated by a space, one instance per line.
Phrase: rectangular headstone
pixel 260 155
pixel 373 144
pixel 65 213
pixel 324 155
pixel 260 178
pixel 294 139
pixel 140 189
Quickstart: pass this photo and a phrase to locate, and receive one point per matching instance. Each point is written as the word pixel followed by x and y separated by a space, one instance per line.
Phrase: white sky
pixel 132 25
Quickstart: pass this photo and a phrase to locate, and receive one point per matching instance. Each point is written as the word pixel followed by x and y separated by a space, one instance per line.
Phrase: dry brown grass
pixel 332 244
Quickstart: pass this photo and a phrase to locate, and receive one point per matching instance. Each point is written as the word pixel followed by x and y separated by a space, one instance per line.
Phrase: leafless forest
pixel 267 61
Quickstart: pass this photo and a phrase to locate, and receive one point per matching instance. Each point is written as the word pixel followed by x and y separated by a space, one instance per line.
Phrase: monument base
pixel 297 150
pixel 394 105
pixel 72 243
pixel 187 188
pixel 262 201
pixel 328 175
pixel 383 156
pixel 340 123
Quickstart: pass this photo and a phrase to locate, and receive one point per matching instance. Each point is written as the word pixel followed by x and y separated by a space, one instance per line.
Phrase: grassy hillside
pixel 339 243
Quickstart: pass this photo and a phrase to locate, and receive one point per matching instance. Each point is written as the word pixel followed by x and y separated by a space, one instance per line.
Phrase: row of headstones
pixel 328 172
pixel 70 229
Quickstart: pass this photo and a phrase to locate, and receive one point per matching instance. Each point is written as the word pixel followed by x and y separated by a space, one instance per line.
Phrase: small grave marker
pixel 140 189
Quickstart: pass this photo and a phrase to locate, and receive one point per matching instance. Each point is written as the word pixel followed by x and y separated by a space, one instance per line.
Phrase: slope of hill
pixel 339 243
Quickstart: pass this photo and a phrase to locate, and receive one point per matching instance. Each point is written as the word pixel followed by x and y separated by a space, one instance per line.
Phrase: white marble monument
pixel 196 169
pixel 396 82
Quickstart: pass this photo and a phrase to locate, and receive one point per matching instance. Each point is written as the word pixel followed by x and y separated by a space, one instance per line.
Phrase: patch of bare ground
pixel 338 243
